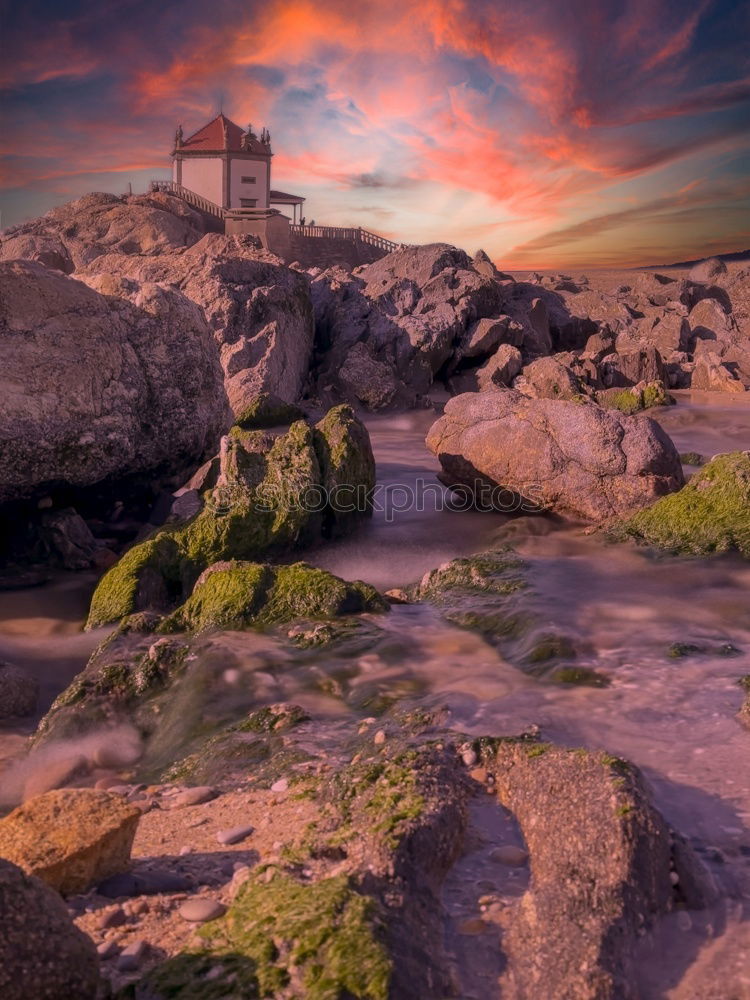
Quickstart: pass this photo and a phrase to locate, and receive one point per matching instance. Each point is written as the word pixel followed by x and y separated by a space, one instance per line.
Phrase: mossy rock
pixel 635 398
pixel 236 595
pixel 710 514
pixel 321 940
pixel 579 677
pixel 271 498
pixel 692 458
pixel 267 410
pixel 347 466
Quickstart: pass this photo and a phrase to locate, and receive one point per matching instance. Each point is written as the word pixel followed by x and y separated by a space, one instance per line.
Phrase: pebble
pixel 106 949
pixel 199 911
pixel 192 797
pixel 379 738
pixel 113 917
pixel 469 758
pixel 185 849
pixel 280 786
pixel 516 857
pixel 234 835
pixel 132 956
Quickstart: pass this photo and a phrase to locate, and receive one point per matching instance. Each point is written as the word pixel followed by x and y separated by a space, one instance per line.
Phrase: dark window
pixel 248 180
pixel 248 202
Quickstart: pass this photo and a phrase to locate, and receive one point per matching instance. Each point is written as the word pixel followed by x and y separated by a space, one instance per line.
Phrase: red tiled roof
pixel 210 138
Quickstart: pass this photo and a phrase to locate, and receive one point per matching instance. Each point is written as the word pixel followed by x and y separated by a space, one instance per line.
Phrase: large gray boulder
pixel 258 310
pixel 96 389
pixel 42 953
pixel 72 235
pixel 559 455
pixel 708 270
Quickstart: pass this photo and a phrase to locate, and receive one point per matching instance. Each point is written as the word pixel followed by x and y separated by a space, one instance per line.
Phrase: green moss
pixel 347 467
pixel 228 598
pixel 267 410
pixel 268 501
pixel 272 719
pixel 117 593
pixel 635 398
pixel 710 514
pixel 550 647
pixel 744 683
pixel 240 595
pixel 321 940
pixel 678 650
pixel 203 976
pixel 302 591
pixel 692 458
pixel 580 676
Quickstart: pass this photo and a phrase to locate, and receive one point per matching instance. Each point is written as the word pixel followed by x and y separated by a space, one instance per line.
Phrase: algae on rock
pixel 235 595
pixel 271 497
pixel 710 514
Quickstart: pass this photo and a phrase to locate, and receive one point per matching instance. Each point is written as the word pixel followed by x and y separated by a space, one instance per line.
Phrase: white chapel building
pixel 231 168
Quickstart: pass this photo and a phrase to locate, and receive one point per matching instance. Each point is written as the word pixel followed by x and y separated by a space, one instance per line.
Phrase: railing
pixel 202 204
pixel 339 233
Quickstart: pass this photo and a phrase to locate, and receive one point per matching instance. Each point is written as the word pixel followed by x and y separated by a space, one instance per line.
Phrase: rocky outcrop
pixel 710 514
pixel 602 860
pixel 710 373
pixel 70 839
pixel 69 237
pixel 96 390
pixel 42 953
pixel 571 457
pixel 708 270
pixel 257 309
pixel 410 308
pixel 265 497
pixel 500 370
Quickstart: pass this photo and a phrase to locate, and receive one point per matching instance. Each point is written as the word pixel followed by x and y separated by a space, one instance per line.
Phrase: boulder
pixel 623 369
pixel 635 398
pixel 72 235
pixel 95 390
pixel 267 410
pixel 549 378
pixel 71 838
pixel 710 373
pixel 258 310
pixel 560 455
pixel 368 381
pixel 602 860
pixel 501 368
pixel 19 691
pixel 409 308
pixel 708 270
pixel 236 595
pixel 710 322
pixel 710 514
pixel 42 953
pixel 271 496
pixel 485 336
pixel 68 539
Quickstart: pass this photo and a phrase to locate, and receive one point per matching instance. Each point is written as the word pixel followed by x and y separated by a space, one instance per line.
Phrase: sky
pixel 553 134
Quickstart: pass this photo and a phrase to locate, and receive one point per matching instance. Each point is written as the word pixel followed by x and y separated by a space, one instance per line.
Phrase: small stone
pixel 192 797
pixel 199 911
pixel 185 849
pixel 107 949
pixel 112 917
pixel 469 757
pixel 280 786
pixel 132 956
pixel 379 738
pixel 674 878
pixel 479 774
pixel 234 835
pixel 508 854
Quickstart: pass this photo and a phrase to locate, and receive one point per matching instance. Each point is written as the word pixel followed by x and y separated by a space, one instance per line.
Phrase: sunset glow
pixel 590 133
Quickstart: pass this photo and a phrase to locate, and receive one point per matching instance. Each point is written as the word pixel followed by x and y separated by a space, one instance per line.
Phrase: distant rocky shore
pixel 184 414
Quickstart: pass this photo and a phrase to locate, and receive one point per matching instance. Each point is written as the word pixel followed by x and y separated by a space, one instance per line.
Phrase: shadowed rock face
pixel 258 311
pixel 94 388
pixel 570 457
pixel 42 953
